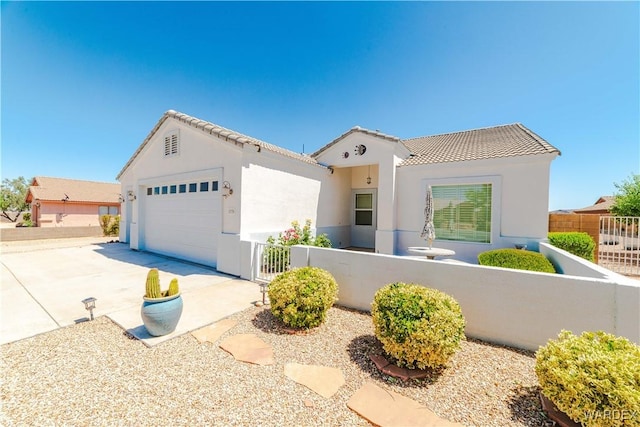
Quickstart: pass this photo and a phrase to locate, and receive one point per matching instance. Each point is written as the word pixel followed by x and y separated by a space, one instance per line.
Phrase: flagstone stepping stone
pixel 248 348
pixel 322 379
pixel 386 408
pixel 212 332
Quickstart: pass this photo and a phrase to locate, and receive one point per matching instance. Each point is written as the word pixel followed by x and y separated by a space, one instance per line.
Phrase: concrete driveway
pixel 44 283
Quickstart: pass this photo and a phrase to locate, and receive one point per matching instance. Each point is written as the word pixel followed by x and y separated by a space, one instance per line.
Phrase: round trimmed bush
pixel 594 378
pixel 516 258
pixel 301 297
pixel 419 327
pixel 577 243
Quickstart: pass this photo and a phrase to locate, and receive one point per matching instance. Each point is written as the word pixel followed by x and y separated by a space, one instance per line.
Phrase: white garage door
pixel 183 219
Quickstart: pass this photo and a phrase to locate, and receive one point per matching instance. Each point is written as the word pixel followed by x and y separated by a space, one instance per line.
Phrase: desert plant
pixel 301 297
pixel 594 378
pixel 113 229
pixel 152 286
pixel 517 259
pixel 110 224
pixel 419 327
pixel 577 243
pixel 173 287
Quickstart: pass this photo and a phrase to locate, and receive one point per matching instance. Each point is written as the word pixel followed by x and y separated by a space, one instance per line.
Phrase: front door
pixel 363 219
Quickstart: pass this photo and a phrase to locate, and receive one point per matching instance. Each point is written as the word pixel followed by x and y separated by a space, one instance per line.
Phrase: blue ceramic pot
pixel 161 315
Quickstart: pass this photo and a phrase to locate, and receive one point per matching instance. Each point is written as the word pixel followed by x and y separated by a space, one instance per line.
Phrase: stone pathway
pixel 214 331
pixel 248 348
pixel 387 408
pixel 379 406
pixel 322 379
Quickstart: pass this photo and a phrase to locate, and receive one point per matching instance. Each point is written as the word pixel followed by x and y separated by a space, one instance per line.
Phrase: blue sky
pixel 83 83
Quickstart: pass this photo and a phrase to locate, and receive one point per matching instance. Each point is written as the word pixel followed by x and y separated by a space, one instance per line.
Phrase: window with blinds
pixel 462 212
pixel 171 143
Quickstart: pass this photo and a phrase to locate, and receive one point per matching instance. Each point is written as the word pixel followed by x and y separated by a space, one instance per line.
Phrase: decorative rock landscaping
pixel 484 385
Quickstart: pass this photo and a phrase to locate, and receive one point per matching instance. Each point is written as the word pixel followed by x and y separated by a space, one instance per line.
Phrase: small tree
pixel 627 198
pixel 13 197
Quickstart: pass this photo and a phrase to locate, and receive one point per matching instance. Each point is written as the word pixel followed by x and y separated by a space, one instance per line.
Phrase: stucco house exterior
pixel 199 191
pixel 60 202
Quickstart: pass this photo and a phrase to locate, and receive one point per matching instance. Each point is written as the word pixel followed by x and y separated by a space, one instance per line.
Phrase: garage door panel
pixel 184 225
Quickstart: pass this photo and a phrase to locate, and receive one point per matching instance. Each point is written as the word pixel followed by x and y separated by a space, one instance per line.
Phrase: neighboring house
pixel 602 206
pixel 202 191
pixel 58 202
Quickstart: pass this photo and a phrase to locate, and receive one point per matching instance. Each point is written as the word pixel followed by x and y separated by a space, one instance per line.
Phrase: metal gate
pixel 619 248
pixel 270 260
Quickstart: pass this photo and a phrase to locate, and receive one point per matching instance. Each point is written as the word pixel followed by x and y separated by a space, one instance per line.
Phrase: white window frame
pixel 108 210
pixel 496 206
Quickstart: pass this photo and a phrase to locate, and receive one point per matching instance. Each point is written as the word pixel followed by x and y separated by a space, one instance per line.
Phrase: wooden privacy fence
pixel 589 224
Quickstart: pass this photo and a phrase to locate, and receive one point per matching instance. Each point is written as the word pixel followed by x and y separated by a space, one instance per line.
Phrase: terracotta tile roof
pixel 56 189
pixel 487 143
pixel 219 131
pixel 355 129
pixel 603 204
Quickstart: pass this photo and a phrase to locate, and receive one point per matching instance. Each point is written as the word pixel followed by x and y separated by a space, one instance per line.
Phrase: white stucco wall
pixel 276 191
pixel 379 162
pixel 520 194
pixel 517 308
pixel 200 156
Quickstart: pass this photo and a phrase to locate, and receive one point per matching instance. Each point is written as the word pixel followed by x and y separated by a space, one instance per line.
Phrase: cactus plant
pixel 153 284
pixel 173 288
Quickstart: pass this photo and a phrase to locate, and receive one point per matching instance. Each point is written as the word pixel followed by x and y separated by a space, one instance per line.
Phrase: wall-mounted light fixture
pixel 131 196
pixel 226 189
pixel 37 203
pixel 369 175
pixel 120 198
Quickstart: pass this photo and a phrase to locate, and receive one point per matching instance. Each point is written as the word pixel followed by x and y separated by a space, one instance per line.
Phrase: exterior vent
pixel 171 141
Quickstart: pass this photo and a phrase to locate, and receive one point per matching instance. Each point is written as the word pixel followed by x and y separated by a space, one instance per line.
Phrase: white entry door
pixel 363 218
pixel 183 219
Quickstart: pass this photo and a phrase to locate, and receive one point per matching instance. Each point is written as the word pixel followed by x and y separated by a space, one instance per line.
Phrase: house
pixel 200 192
pixel 602 206
pixel 60 202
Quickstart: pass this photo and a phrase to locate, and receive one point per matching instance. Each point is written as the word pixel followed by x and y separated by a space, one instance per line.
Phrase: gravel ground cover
pixel 93 373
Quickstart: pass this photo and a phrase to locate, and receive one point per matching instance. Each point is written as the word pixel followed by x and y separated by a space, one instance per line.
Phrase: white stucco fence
pixel 512 307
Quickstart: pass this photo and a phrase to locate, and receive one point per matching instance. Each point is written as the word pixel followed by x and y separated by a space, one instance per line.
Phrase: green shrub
pixel 110 224
pixel 577 243
pixel 114 226
pixel 301 297
pixel 516 258
pixel 418 326
pixel 594 378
